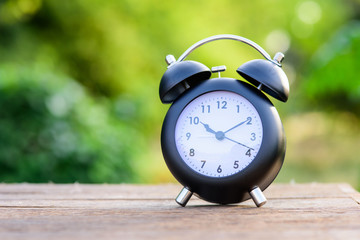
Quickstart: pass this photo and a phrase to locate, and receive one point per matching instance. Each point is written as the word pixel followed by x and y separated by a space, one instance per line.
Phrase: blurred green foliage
pixel 79 80
pixel 332 81
pixel 52 130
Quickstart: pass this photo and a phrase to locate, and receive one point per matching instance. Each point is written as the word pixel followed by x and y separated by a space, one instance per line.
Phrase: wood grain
pixel 79 211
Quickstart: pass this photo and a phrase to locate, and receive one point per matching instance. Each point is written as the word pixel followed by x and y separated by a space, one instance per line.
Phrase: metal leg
pixel 258 197
pixel 183 197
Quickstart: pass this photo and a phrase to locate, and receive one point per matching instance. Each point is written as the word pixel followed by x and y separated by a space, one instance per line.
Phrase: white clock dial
pixel 218 134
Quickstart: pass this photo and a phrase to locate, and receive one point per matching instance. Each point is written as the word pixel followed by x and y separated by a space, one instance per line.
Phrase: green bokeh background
pixel 79 83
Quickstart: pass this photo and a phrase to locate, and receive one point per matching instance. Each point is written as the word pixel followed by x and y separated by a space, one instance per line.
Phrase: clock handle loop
pixel 276 61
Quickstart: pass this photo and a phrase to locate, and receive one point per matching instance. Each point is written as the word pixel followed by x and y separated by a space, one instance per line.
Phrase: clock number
pixel 219 170
pixel 253 137
pixel 236 164
pixel 188 135
pixel 194 120
pixel 249 119
pixel 221 105
pixel 192 152
pixel 238 108
pixel 203 163
pixel 248 153
pixel 203 108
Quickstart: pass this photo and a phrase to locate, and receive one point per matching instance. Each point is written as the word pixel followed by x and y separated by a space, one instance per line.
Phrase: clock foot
pixel 183 197
pixel 258 197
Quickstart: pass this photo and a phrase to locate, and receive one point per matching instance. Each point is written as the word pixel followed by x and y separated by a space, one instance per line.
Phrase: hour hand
pixel 208 129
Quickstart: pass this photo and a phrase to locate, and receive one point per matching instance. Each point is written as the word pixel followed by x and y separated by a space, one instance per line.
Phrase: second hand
pixel 238 143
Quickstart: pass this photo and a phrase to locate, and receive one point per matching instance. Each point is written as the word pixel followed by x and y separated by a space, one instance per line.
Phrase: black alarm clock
pixel 222 138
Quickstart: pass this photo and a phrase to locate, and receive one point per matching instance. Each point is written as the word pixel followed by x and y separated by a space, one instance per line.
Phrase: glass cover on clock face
pixel 218 133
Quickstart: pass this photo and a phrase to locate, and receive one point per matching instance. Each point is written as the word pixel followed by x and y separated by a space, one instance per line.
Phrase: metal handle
pixel 231 37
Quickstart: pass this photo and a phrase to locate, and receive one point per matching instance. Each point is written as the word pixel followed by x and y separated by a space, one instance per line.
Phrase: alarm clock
pixel 222 138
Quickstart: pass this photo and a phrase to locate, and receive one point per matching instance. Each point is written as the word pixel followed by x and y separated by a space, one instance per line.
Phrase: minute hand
pixel 236 126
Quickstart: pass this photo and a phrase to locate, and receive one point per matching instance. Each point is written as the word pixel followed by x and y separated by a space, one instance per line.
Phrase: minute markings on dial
pixel 217 125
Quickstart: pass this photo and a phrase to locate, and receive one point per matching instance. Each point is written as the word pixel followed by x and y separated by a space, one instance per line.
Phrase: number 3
pixel 253 137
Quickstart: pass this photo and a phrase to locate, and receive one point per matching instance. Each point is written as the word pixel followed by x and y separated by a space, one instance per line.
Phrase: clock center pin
pixel 220 135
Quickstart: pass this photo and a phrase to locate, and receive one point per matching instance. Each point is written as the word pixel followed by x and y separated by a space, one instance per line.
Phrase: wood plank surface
pixel 79 211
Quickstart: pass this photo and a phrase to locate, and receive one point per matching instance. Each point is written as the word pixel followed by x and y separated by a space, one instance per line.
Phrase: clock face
pixel 218 134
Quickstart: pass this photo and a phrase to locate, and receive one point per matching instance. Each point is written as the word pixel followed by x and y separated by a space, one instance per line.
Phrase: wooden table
pixel 76 211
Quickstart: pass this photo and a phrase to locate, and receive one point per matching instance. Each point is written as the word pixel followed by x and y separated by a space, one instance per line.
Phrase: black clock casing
pixel 260 172
pixel 186 80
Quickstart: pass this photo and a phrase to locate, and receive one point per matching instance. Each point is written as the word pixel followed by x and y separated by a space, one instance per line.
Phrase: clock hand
pixel 237 125
pixel 219 134
pixel 208 129
pixel 238 143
